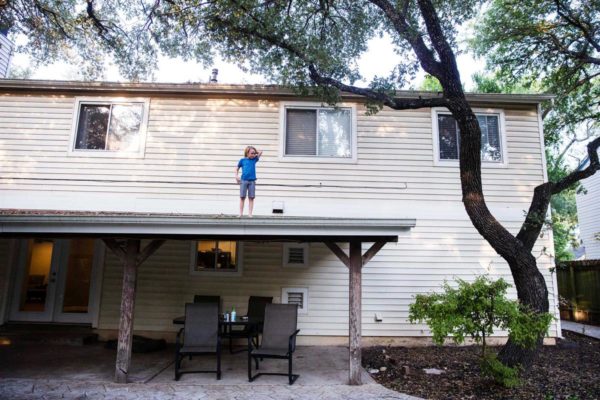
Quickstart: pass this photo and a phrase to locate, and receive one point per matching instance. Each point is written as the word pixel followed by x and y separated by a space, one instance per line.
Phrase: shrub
pixel 500 373
pixel 475 310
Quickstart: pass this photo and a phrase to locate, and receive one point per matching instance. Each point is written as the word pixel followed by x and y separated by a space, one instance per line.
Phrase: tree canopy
pixel 552 46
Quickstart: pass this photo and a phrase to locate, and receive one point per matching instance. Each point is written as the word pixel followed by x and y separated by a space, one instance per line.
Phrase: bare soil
pixel 568 371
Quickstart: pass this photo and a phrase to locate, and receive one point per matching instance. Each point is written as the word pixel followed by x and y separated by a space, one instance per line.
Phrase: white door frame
pixel 56 286
pixel 21 266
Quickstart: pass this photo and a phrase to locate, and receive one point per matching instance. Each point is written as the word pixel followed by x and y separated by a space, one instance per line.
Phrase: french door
pixel 56 280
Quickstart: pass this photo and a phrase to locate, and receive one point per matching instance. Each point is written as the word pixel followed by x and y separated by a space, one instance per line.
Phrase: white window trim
pixel 237 272
pixel 286 249
pixel 316 159
pixel 109 153
pixel 478 111
pixel 304 291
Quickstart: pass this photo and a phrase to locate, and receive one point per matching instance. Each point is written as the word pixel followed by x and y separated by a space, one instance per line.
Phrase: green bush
pixel 475 310
pixel 500 373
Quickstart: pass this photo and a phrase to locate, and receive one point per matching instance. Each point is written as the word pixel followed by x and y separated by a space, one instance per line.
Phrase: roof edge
pixel 204 89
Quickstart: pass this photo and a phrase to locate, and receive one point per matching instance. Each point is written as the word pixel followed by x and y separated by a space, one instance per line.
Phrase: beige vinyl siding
pixel 193 145
pixel 588 211
pixel 192 148
pixel 434 251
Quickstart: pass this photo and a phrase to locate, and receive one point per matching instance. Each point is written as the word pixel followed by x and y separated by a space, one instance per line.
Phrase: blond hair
pixel 247 150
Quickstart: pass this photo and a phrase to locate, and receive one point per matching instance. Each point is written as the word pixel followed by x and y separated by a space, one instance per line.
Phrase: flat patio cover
pixel 27 223
pixel 135 226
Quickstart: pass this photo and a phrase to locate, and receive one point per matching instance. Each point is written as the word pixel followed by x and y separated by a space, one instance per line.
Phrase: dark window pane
pixel 216 255
pixel 448 137
pixel 301 132
pixel 92 127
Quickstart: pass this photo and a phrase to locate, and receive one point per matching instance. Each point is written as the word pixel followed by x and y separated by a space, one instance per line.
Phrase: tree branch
pixel 385 99
pixel 424 53
pixel 573 21
pixel 534 221
pixel 578 175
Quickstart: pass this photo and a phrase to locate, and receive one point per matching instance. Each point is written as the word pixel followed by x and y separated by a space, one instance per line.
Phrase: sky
pixel 378 60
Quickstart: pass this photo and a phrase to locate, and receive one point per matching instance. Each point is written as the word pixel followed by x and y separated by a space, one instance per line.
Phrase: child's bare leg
pixel 250 206
pixel 242 206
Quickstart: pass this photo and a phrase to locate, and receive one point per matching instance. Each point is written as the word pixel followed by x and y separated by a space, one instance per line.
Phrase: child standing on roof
pixel 248 181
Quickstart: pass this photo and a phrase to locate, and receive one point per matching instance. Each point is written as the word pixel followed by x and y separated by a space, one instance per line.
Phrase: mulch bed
pixel 570 371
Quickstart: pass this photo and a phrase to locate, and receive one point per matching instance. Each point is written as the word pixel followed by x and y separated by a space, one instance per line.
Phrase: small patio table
pixel 226 326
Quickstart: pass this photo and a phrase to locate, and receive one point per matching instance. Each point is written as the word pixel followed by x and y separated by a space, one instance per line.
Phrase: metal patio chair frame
pixel 278 341
pixel 199 336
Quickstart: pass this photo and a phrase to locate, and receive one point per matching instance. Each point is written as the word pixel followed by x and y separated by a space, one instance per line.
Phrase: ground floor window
pixel 216 256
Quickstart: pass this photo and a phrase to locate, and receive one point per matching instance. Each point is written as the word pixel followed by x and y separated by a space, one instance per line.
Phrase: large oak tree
pixel 308 44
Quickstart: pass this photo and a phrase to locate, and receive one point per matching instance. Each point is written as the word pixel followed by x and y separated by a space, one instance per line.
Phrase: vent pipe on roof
pixel 213 76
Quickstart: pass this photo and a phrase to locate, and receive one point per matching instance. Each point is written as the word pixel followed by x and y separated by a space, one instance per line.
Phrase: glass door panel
pixel 55 279
pixel 34 290
pixel 78 276
pixel 33 299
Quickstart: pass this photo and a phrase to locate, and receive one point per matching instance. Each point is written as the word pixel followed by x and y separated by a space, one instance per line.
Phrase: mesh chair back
pixel 200 298
pixel 281 321
pixel 201 324
pixel 256 307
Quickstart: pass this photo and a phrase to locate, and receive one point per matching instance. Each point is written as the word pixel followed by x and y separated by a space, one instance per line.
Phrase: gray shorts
pixel 249 187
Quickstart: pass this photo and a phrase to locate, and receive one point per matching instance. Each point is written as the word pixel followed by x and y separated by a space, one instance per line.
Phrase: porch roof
pixel 21 223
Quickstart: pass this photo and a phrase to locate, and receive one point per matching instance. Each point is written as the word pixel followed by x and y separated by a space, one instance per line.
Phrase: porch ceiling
pixel 22 223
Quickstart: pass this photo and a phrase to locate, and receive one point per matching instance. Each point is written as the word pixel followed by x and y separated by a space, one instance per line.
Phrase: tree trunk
pixel 533 294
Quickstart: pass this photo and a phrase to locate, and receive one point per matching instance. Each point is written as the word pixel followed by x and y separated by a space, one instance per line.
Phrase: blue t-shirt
pixel 248 166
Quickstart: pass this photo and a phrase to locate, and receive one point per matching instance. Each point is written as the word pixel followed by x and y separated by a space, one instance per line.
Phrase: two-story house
pixel 82 162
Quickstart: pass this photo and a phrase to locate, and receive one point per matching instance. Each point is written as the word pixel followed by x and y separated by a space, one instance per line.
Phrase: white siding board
pixel 588 211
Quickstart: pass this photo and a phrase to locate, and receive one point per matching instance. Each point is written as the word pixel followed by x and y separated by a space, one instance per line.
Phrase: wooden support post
pixel 356 263
pixel 127 305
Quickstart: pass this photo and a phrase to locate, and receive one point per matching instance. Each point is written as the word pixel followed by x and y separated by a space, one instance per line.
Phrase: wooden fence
pixel 579 290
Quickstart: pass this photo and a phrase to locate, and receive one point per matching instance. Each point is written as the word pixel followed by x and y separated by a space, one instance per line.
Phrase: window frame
pixel 286 250
pixel 194 253
pixel 304 290
pixel 478 111
pixel 79 101
pixel 353 159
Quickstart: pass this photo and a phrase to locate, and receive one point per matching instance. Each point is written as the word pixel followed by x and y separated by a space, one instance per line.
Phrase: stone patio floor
pixel 45 371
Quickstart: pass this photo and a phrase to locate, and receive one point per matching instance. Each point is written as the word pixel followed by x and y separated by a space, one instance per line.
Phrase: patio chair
pixel 200 336
pixel 256 312
pixel 201 298
pixel 278 340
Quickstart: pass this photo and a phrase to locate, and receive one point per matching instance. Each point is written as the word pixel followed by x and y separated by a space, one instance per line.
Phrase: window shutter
pixel 301 132
pixel 448 137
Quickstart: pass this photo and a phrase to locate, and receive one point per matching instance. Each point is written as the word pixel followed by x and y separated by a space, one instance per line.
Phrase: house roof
pixel 27 223
pixel 215 89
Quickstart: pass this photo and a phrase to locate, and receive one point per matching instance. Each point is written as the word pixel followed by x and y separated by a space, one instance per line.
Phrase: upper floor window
pixel 110 127
pixel 215 256
pixel 326 134
pixel 447 137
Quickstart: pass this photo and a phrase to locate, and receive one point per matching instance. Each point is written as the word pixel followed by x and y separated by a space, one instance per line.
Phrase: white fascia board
pixel 187 225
